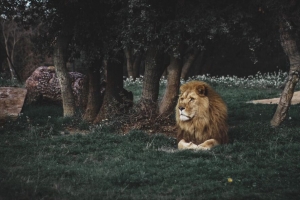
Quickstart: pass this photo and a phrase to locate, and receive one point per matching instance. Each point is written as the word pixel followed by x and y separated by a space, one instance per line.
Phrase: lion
pixel 201 117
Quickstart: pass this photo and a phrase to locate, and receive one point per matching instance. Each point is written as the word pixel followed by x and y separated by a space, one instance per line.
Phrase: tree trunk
pixel 115 101
pixel 288 43
pixel 132 62
pixel 188 63
pixel 8 35
pixel 12 70
pixel 169 100
pixel 129 62
pixel 10 61
pixel 94 95
pixel 153 71
pixel 137 64
pixel 60 59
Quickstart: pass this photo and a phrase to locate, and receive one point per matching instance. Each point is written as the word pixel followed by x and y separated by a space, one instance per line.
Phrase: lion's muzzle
pixel 183 115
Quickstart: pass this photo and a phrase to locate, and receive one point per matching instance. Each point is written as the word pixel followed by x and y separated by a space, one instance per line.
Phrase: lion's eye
pixel 192 99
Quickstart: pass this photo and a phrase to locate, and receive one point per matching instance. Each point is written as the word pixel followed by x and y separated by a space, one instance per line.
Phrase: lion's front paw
pixel 208 144
pixel 199 147
pixel 186 145
pixel 191 145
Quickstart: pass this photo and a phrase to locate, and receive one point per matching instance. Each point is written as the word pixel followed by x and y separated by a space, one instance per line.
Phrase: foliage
pixel 259 80
pixel 166 24
pixel 260 162
pixel 17 40
pixel 104 27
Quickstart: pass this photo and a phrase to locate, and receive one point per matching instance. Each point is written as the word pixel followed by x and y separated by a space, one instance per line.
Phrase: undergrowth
pixel 6 82
pixel 38 161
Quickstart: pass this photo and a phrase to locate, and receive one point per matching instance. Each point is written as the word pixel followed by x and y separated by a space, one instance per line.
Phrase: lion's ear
pixel 202 90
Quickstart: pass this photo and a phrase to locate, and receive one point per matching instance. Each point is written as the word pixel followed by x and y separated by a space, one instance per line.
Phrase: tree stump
pixel 11 102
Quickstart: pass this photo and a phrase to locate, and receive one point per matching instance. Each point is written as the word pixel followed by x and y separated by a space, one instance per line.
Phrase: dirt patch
pixel 153 125
pixel 165 126
pixel 295 100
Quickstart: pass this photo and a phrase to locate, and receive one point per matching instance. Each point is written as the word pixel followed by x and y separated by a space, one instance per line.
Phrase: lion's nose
pixel 181 108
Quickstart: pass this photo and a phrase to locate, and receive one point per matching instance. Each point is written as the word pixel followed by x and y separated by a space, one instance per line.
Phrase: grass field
pixel 39 161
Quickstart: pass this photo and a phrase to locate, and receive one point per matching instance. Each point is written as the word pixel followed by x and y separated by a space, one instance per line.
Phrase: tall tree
pixel 58 18
pixel 290 47
pixel 98 29
pixel 60 56
pixel 154 67
pixel 188 63
pixel 133 61
pixel 116 99
pixel 173 82
pixel 284 16
pixel 12 34
pixel 94 92
pixel 12 31
pixel 191 24
pixel 264 19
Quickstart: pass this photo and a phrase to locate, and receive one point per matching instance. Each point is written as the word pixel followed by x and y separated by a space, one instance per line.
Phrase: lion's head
pixel 201 114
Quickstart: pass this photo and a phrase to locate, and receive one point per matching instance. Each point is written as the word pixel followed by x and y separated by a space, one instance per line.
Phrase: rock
pixel 11 102
pixel 43 85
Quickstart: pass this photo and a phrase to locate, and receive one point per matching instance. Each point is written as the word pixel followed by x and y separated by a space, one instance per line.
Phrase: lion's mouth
pixel 184 117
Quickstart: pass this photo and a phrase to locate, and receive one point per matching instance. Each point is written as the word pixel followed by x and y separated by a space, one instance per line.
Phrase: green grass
pixel 37 162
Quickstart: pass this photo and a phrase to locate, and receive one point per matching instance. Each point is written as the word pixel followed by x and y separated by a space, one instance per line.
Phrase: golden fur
pixel 201 117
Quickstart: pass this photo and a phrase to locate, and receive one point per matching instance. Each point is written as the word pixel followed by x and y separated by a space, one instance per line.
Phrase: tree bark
pixel 169 100
pixel 60 59
pixel 12 70
pixel 94 95
pixel 9 33
pixel 129 62
pixel 137 64
pixel 132 62
pixel 188 63
pixel 288 43
pixel 153 70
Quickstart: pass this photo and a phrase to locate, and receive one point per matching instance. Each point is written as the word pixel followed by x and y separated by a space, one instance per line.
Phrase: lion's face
pixel 191 101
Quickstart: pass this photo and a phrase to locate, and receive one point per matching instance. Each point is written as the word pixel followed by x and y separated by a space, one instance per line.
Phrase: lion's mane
pixel 210 120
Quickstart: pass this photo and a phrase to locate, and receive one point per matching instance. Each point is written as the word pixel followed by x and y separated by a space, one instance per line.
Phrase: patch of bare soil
pixel 165 126
pixel 151 125
pixel 146 119
pixel 295 100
